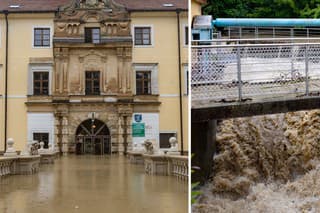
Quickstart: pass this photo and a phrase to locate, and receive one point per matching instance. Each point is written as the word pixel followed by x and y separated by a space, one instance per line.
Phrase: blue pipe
pixel 265 22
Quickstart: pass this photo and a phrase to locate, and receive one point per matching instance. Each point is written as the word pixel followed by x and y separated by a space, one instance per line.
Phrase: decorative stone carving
pixel 100 11
pixel 173 143
pixel 41 145
pixel 34 148
pixel 10 152
pixel 173 146
pixel 125 109
pixel 151 147
pixel 27 150
pixel 148 147
pixel 51 147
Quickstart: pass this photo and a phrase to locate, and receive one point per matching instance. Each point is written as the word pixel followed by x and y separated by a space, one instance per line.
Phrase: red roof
pixel 201 1
pixel 52 5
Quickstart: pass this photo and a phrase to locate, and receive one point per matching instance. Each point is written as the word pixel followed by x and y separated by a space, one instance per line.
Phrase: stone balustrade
pixel 135 157
pixel 47 155
pixel 157 162
pixel 172 165
pixel 6 166
pixel 13 164
pixel 178 166
pixel 19 165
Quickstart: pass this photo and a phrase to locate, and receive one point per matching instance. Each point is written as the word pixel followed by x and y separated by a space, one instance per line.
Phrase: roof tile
pixel 52 5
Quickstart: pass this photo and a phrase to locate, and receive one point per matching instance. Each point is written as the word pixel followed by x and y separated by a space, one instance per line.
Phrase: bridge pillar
pixel 203 138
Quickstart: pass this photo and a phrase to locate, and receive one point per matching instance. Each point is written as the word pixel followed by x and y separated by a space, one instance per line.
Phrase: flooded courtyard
pixel 92 184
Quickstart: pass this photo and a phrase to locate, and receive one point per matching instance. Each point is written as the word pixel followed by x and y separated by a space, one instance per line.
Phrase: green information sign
pixel 138 130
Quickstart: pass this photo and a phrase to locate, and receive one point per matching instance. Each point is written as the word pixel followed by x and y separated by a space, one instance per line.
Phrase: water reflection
pixel 92 184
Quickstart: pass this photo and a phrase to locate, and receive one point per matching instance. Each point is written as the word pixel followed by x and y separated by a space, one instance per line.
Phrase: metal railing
pixel 237 72
pixel 269 32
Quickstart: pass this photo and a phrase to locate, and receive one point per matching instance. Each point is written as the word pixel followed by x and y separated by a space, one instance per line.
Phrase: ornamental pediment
pixel 79 9
pixel 93 4
pixel 111 18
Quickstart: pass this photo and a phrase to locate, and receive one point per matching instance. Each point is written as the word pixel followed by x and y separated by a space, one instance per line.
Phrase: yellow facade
pixel 20 51
pixel 196 7
pixel 164 52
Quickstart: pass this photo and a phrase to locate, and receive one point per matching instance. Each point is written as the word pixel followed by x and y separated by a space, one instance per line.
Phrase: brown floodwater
pixel 92 184
pixel 265 164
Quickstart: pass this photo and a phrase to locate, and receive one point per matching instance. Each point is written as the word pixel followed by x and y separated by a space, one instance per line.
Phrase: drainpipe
pixel 180 86
pixel 6 12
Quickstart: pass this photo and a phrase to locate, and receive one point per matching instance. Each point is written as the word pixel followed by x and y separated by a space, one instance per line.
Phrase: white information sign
pixel 150 121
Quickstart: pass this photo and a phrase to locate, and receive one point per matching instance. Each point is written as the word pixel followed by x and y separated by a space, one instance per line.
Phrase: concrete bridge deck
pixel 254 77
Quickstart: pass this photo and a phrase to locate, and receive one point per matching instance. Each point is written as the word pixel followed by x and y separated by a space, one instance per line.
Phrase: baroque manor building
pixel 93 76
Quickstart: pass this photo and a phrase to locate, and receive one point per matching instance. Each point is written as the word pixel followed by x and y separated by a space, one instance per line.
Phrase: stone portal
pixel 93 137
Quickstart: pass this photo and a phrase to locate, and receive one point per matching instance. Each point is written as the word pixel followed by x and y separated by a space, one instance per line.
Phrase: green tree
pixel 263 8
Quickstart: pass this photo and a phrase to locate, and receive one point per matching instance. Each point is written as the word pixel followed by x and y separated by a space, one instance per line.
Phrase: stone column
pixel 65 75
pixel 120 135
pixel 129 132
pixel 113 125
pixel 62 129
pixel 57 68
pixel 65 135
pixel 121 77
pixel 64 70
pixel 58 132
pixel 61 70
pixel 104 76
pixel 125 114
pixel 128 70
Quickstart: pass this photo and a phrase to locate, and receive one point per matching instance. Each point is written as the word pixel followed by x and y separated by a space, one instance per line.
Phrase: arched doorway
pixel 93 137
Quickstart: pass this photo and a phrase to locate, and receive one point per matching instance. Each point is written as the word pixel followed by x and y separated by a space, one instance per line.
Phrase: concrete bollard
pixel 10 152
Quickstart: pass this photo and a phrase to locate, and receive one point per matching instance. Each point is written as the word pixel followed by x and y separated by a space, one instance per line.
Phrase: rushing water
pixel 266 164
pixel 92 184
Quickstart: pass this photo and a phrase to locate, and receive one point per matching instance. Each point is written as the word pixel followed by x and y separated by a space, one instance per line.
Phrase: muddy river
pixel 92 184
pixel 265 164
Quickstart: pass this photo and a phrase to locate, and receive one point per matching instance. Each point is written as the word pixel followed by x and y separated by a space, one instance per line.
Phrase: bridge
pixel 245 77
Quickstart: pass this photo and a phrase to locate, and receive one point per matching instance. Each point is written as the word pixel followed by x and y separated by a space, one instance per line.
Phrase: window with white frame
pixel 39 79
pixel 41 83
pixel 143 83
pixel 40 127
pixel 146 79
pixel 164 139
pixel 143 35
pixel 41 37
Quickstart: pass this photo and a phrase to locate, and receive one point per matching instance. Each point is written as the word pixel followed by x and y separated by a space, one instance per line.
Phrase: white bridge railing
pixel 228 70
